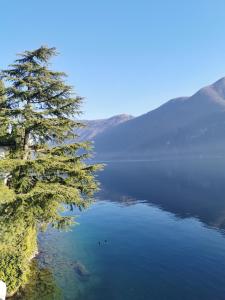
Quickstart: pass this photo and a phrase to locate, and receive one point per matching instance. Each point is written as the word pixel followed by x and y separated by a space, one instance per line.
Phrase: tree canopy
pixel 41 172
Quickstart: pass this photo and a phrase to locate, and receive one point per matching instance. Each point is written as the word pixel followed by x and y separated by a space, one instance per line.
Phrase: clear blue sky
pixel 124 56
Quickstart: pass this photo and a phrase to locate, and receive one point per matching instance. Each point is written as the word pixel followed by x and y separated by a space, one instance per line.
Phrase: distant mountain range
pixel 95 127
pixel 182 126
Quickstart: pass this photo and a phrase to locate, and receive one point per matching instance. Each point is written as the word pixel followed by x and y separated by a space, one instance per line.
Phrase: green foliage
pixel 40 173
pixel 41 285
pixel 18 245
pixel 6 195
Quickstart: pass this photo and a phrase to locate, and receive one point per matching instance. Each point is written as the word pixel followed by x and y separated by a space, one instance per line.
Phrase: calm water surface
pixel 161 231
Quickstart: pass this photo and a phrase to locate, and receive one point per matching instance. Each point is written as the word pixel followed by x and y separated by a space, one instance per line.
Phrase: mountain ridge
pixel 95 127
pixel 170 127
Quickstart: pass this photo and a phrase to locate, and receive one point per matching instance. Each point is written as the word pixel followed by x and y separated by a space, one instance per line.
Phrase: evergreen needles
pixel 41 173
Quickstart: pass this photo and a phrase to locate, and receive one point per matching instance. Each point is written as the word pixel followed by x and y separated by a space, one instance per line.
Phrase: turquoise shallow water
pixel 161 233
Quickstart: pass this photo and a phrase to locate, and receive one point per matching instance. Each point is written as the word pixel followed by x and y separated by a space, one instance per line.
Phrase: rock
pixel 81 270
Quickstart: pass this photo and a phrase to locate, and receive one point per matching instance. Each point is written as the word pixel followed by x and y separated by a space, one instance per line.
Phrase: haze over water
pixel 161 231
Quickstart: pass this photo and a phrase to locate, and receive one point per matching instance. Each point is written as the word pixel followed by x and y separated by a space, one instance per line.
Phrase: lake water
pixel 161 231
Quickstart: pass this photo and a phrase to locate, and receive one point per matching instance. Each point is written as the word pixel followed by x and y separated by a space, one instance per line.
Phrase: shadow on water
pixel 186 188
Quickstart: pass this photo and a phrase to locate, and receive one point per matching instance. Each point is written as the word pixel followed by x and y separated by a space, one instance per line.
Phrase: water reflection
pixel 149 254
pixel 187 188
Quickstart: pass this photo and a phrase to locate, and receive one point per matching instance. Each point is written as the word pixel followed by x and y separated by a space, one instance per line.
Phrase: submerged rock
pixel 81 270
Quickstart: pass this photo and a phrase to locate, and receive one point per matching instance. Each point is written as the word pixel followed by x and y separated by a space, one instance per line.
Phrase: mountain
pixel 94 127
pixel 185 125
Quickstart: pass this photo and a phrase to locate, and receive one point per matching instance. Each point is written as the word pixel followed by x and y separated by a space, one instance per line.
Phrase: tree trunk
pixel 26 145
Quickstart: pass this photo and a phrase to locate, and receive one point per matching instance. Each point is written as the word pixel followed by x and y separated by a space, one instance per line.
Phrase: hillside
pixel 185 125
pixel 95 127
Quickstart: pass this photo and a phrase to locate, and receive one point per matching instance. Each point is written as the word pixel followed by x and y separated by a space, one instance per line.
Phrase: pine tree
pixel 42 173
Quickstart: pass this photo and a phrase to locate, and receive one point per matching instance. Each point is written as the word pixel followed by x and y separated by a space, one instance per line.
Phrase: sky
pixel 123 56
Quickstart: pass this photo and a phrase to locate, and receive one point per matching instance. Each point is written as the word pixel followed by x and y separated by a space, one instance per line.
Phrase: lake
pixel 155 232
